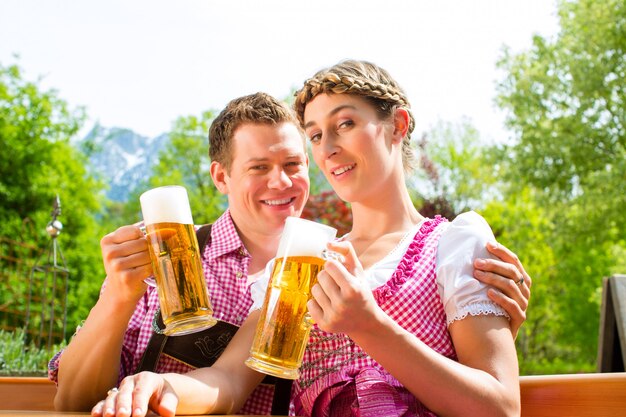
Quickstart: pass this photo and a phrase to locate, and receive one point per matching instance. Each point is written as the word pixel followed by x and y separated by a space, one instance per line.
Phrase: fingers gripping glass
pixel 150 280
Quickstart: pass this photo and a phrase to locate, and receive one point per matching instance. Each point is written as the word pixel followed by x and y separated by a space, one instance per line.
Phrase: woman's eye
pixel 346 123
pixel 316 137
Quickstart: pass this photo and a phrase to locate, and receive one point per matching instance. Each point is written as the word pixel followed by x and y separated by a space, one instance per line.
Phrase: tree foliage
pixel 37 163
pixel 185 161
pixel 456 173
pixel 565 100
pixel 326 207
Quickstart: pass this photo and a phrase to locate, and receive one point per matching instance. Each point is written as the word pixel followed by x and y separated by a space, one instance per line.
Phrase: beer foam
pixel 304 238
pixel 166 204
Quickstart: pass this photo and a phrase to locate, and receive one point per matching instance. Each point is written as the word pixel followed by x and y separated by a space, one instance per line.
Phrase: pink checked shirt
pixel 225 262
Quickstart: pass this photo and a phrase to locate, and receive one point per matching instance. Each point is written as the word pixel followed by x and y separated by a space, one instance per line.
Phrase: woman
pixel 402 327
pixel 410 327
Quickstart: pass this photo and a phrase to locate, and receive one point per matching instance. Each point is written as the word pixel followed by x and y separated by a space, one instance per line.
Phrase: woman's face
pixel 353 147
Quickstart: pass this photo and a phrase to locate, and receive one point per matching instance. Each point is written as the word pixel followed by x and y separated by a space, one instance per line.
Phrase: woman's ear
pixel 400 124
pixel 219 176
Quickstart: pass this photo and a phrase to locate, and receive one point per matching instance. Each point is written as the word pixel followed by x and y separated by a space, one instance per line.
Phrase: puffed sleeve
pixel 463 241
pixel 259 287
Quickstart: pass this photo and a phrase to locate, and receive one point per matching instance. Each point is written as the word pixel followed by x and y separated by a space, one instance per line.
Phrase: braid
pixel 368 81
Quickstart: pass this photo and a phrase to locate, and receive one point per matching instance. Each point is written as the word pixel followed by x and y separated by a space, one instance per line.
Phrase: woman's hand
pixel 136 394
pixel 342 300
pixel 126 262
pixel 510 278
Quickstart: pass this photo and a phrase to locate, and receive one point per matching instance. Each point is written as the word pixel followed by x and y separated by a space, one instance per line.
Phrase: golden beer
pixel 283 328
pixel 175 256
pixel 284 324
pixel 178 272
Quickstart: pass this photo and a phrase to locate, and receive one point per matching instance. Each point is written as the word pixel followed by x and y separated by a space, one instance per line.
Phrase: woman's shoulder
pixel 462 242
pixel 469 225
pixel 463 239
pixel 470 219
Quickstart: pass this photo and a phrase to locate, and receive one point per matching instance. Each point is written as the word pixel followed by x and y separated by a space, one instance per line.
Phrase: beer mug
pixel 173 247
pixel 283 328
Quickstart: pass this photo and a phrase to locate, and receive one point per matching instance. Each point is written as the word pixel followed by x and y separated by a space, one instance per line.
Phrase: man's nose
pixel 279 179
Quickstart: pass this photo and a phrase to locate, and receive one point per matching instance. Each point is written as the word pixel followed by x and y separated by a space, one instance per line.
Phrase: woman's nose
pixel 329 145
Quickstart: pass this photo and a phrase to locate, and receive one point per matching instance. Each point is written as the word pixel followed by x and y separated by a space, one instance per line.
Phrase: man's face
pixel 268 179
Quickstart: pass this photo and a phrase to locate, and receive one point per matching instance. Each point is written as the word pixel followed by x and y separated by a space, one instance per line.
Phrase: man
pixel 259 161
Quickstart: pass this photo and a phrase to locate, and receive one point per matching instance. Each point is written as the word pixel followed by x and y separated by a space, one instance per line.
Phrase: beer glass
pixel 283 328
pixel 173 247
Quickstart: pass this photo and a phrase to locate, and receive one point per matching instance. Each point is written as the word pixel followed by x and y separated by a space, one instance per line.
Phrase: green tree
pixel 567 104
pixel 185 161
pixel 456 170
pixel 37 163
pixel 566 100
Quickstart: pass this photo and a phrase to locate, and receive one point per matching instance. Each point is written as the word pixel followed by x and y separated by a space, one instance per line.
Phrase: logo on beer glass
pixel 173 247
pixel 283 329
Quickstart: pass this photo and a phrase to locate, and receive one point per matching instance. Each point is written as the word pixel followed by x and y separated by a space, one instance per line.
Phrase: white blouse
pixel 462 241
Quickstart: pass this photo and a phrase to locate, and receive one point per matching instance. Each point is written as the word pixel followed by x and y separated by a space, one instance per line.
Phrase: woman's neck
pixel 392 213
pixel 380 225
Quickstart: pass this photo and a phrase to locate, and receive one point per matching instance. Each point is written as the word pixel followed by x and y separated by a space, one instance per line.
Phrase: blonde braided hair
pixel 367 80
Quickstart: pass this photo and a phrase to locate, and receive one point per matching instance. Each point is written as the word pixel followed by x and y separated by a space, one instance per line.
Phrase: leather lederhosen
pixel 201 349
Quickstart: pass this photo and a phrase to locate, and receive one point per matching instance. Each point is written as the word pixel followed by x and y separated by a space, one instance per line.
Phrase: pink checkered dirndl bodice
pixel 339 379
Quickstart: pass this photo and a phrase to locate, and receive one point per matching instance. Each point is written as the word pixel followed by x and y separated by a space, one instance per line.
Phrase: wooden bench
pixel 580 395
pixel 27 393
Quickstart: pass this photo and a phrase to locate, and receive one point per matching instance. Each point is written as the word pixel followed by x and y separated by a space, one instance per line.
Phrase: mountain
pixel 121 157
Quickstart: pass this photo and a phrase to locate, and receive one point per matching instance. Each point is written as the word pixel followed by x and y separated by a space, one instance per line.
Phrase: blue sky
pixel 139 64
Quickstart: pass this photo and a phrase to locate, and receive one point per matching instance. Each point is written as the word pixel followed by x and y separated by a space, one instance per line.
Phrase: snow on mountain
pixel 121 157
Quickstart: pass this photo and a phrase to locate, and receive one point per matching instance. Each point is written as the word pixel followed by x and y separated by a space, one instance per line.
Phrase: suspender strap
pixel 204 237
pixel 282 396
pixel 153 352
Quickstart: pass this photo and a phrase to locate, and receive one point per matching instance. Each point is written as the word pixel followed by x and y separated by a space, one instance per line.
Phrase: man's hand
pixel 509 277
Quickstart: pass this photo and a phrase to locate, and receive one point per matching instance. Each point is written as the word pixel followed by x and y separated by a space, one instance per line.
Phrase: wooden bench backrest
pixel 27 393
pixel 580 395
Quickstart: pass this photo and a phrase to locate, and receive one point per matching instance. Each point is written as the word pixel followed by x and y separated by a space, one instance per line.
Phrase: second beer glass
pixel 283 328
pixel 173 247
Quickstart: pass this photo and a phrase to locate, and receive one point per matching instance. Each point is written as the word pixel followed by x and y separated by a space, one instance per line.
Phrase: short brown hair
pixel 258 108
pixel 363 79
